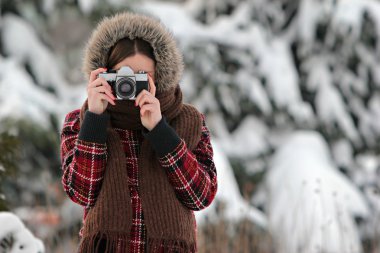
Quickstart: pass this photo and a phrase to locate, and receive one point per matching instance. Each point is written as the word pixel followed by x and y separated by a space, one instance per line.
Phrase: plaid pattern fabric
pixel 131 142
pixel 191 173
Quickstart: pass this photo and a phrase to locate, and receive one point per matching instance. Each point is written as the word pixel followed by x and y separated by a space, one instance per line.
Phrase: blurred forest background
pixel 291 94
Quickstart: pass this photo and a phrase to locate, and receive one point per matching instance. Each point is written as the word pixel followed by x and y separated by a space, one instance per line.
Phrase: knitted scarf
pixel 168 222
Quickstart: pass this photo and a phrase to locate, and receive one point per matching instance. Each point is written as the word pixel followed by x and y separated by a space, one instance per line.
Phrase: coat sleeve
pixel 83 159
pixel 191 173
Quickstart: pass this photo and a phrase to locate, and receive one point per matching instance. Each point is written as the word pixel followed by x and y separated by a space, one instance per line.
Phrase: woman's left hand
pixel 150 110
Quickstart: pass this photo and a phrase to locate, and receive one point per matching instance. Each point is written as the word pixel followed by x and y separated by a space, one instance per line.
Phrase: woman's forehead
pixel 137 62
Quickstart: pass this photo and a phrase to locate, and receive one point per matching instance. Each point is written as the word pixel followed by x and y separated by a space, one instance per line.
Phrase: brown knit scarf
pixel 168 222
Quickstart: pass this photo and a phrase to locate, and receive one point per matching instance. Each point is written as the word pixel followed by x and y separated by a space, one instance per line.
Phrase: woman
pixel 139 167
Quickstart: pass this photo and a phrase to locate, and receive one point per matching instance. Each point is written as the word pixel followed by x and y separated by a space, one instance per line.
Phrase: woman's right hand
pixel 99 92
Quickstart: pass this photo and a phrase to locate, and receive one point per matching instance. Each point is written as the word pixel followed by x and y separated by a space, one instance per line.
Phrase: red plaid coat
pixel 191 173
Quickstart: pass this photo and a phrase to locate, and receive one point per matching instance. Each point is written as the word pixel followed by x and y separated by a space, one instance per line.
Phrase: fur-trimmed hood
pixel 169 66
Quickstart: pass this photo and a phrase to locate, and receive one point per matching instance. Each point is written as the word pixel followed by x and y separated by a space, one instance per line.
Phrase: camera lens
pixel 125 88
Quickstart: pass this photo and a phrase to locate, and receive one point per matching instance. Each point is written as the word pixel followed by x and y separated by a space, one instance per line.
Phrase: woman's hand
pixel 150 110
pixel 99 92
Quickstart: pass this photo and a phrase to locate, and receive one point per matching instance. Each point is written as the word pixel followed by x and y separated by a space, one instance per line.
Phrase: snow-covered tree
pixel 262 70
pixel 16 238
pixel 312 206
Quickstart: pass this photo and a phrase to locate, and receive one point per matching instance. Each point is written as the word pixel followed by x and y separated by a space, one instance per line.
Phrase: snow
pixel 330 108
pixel 21 41
pixel 342 153
pixel 366 173
pixel 254 143
pixel 230 99
pixel 24 240
pixel 87 5
pixel 276 64
pixel 349 13
pixel 311 205
pixel 252 88
pixel 228 193
pixel 21 97
pixel 275 61
pixel 273 54
pixel 216 121
pixel 206 100
pixel 329 104
pixel 48 5
pixel 312 12
pixel 369 127
pixel 176 16
pixel 303 176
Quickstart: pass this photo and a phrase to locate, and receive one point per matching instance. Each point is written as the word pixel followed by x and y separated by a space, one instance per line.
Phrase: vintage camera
pixel 125 83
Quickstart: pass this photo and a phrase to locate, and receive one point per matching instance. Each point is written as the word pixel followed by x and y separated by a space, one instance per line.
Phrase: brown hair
pixel 127 47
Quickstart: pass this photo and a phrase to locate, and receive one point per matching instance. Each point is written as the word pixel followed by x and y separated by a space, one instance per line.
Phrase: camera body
pixel 125 84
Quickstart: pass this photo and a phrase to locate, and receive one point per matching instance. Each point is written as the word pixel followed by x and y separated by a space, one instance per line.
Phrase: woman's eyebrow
pixel 149 71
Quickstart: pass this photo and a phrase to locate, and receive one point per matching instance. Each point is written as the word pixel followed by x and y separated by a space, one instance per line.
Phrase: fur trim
pixel 169 65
